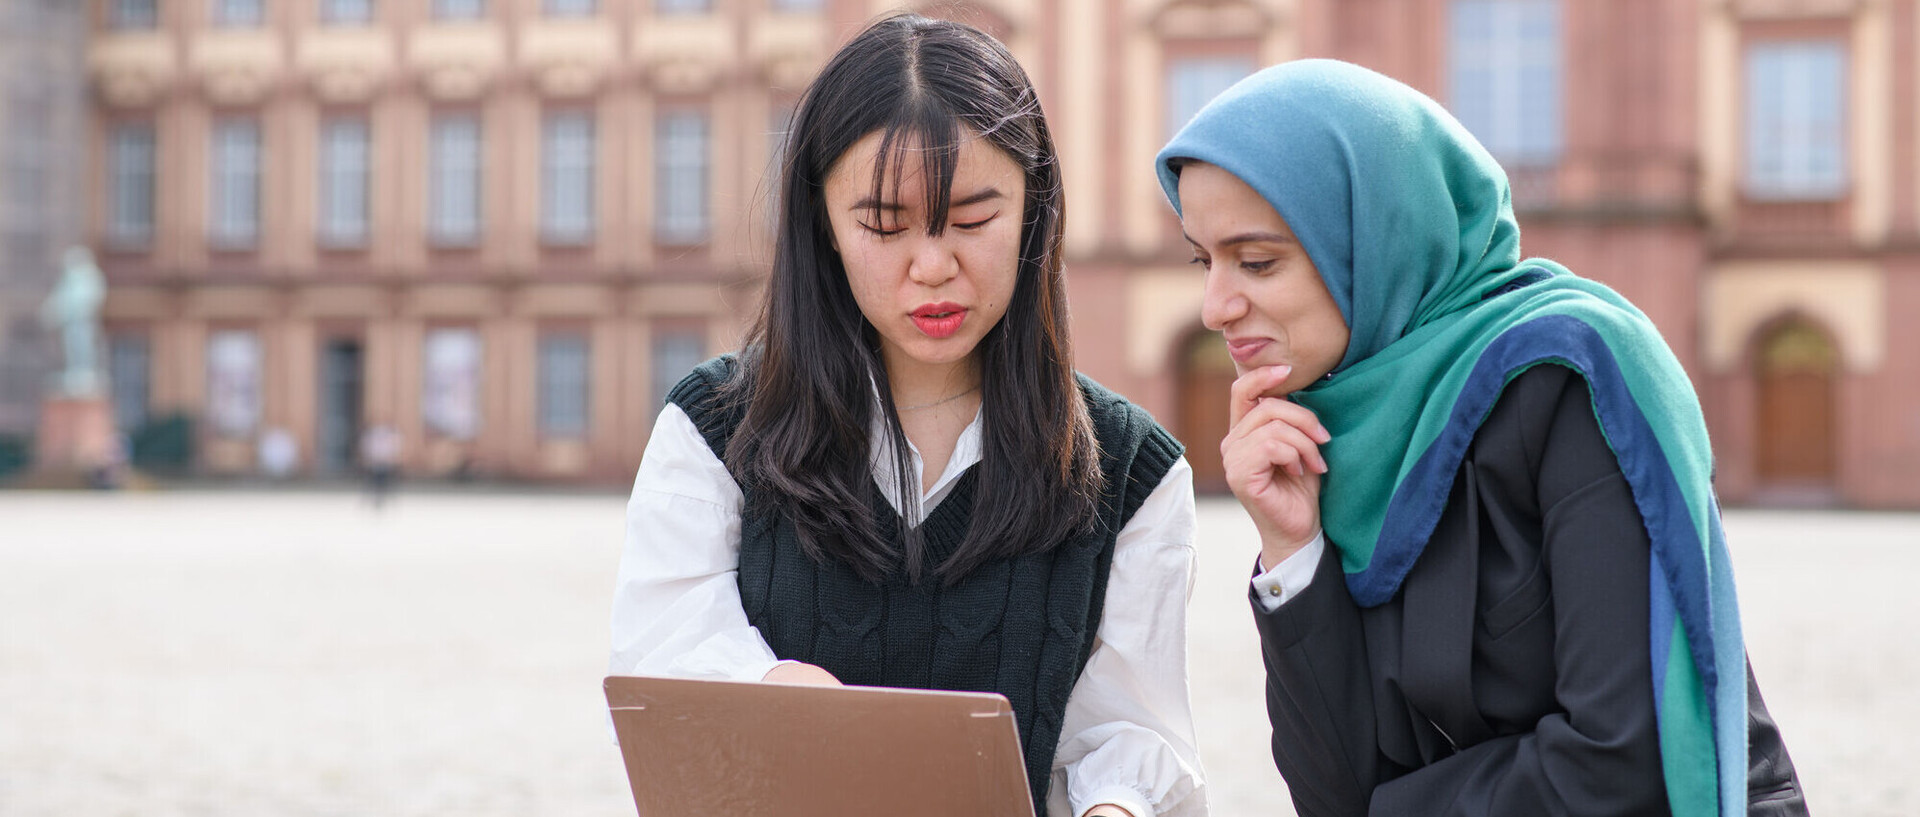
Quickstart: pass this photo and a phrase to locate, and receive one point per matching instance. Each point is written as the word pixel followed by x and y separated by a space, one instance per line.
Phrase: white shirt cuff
pixel 1280 584
pixel 1121 796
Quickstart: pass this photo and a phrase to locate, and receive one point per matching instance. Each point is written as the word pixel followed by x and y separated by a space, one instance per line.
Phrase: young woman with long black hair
pixel 900 480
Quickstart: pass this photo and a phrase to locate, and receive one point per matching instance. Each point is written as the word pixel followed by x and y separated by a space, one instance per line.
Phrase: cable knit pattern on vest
pixel 1020 627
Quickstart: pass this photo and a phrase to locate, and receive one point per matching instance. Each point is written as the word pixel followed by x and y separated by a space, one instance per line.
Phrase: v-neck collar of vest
pixel 943 530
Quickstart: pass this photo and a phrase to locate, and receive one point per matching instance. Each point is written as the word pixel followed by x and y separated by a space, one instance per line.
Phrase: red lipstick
pixel 939 320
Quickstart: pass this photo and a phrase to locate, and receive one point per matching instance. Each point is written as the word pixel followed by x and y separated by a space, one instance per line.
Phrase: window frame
pixel 432 377
pixel 683 215
pixel 569 188
pixel 328 233
pixel 440 11
pixel 221 235
pixel 1515 134
pixel 441 231
pixel 1838 186
pixel 569 9
pixel 221 14
pixel 121 195
pixel 547 388
pixel 363 14
pixel 119 20
pixel 666 331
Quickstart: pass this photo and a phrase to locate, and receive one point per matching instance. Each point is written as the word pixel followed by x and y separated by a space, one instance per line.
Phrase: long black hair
pixel 812 362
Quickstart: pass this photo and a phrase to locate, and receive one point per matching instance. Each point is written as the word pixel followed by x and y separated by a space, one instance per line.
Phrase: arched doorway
pixel 1206 381
pixel 1797 365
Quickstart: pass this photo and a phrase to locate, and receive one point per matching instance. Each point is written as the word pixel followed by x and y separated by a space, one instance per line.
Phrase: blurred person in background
pixel 900 480
pixel 380 458
pixel 279 453
pixel 1492 577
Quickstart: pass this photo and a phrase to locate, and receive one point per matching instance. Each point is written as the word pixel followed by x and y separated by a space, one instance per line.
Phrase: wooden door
pixel 1206 382
pixel 1797 377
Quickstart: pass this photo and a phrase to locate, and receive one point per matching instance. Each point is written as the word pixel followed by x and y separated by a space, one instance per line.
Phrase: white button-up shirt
pixel 1127 738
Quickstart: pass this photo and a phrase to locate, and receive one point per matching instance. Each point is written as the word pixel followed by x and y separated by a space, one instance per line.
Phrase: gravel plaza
pixel 212 653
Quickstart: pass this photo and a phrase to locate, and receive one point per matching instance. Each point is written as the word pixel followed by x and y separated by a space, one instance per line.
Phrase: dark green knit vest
pixel 1020 627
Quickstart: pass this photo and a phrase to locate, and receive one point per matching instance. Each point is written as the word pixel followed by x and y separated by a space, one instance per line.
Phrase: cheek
pixel 996 266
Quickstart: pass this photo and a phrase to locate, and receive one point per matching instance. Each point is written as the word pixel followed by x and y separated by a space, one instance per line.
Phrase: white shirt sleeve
pixel 676 603
pixel 1127 738
pixel 1279 585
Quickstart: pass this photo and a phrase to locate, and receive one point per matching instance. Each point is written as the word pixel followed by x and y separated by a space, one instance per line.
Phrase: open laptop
pixel 707 748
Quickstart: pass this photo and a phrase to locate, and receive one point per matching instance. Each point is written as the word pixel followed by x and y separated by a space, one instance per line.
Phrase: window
pixel 343 183
pixel 566 214
pixel 455 183
pixel 675 353
pixel 236 184
pixel 459 9
pixel 238 12
pixel 1504 76
pixel 1192 82
pixel 346 11
pixel 1796 128
pixel 135 14
pixel 450 392
pixel 131 168
pixel 680 178
pixel 563 384
pixel 568 8
pixel 233 382
pixel 129 365
pixel 791 6
pixel 682 6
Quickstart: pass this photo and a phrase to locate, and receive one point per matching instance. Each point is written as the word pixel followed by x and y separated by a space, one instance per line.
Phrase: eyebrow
pixel 871 203
pixel 1248 238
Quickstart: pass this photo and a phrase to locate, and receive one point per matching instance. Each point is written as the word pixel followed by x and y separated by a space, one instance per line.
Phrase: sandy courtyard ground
pixel 234 653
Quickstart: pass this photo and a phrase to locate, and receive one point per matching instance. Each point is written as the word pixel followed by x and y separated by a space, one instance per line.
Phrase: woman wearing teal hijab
pixel 1492 577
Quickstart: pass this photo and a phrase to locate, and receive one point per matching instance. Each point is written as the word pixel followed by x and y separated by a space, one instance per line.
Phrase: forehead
pixel 1212 198
pixel 978 163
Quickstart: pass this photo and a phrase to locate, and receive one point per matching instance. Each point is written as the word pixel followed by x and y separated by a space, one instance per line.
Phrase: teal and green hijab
pixel 1411 225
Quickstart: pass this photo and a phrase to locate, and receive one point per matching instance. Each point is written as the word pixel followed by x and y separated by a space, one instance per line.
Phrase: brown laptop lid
pixel 704 748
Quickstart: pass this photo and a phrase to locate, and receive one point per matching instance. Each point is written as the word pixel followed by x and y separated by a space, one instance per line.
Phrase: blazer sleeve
pixel 1319 694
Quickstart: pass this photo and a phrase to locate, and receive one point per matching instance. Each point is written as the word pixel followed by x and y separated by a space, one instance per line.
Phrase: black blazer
pixel 1510 674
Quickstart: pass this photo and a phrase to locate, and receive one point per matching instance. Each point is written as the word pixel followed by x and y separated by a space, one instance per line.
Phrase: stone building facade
pixel 506 226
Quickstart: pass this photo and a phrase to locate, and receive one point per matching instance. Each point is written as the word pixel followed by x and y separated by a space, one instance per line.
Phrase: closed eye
pixel 882 233
pixel 975 225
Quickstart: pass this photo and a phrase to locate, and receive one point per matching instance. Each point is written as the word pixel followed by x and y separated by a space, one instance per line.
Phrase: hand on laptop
pixel 795 672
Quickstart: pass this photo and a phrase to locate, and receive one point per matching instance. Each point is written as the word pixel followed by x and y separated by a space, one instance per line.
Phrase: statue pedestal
pixel 76 435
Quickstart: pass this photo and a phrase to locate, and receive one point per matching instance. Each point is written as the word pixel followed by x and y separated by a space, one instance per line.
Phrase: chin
pixel 942 352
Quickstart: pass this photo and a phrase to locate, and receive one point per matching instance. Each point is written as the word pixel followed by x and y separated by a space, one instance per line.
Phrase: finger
pixel 1304 429
pixel 1301 449
pixel 1276 447
pixel 1281 410
pixel 1279 413
pixel 1250 387
pixel 1297 439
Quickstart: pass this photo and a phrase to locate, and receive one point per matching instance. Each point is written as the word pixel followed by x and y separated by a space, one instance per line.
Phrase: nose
pixel 1223 302
pixel 933 261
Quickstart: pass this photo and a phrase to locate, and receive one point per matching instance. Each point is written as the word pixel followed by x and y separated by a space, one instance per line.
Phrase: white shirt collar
pixel 966 453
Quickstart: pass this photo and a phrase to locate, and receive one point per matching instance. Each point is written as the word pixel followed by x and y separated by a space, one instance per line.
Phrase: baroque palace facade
pixel 506 227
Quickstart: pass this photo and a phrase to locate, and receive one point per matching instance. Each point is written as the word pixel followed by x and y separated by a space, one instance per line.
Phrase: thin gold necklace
pixel 940 402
